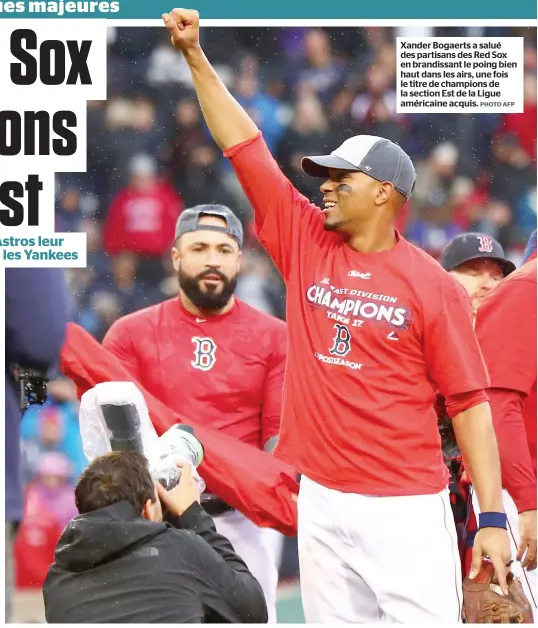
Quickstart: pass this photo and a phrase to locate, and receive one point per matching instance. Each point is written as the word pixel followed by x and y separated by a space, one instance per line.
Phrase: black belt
pixel 213 505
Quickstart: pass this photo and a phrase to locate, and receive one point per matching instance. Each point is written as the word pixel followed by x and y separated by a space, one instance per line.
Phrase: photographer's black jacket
pixel 113 566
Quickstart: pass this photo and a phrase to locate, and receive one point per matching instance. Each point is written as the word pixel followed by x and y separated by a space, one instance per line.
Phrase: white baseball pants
pixel 256 546
pixel 377 559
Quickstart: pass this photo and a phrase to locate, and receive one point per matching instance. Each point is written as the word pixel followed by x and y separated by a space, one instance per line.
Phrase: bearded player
pixel 375 327
pixel 506 330
pixel 209 356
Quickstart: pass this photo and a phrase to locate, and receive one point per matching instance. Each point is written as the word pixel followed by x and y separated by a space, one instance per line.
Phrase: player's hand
pixel 494 544
pixel 181 496
pixel 527 539
pixel 184 28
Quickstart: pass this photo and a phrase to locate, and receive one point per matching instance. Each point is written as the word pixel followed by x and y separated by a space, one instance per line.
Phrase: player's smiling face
pixel 350 200
pixel 479 277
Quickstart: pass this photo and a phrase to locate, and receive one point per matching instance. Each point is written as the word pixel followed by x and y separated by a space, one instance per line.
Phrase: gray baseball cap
pixel 471 246
pixel 375 156
pixel 189 219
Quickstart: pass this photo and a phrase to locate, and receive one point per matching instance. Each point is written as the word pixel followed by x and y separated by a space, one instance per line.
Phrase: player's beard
pixel 211 300
pixel 333 226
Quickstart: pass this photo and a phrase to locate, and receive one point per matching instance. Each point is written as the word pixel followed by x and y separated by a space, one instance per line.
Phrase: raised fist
pixel 184 28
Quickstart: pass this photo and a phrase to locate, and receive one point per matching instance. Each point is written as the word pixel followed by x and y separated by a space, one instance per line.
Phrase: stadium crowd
pixel 150 156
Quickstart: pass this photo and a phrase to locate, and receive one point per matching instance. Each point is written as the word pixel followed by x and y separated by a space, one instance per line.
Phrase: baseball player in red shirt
pixel 479 264
pixel 376 326
pixel 207 355
pixel 506 330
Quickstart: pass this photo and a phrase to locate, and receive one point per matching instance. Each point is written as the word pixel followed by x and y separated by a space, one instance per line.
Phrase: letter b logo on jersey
pixel 341 342
pixel 204 353
pixel 486 244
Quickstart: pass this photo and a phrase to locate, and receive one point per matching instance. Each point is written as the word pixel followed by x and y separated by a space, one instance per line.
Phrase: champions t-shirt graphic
pixel 371 337
pixel 349 307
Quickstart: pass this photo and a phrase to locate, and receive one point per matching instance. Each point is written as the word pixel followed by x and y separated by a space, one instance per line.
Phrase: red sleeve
pixel 516 463
pixel 284 219
pixel 453 356
pixel 459 403
pixel 118 341
pixel 273 386
pixel 506 331
pixel 114 226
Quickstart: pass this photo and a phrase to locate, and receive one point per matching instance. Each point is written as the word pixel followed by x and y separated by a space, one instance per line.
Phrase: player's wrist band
pixel 492 520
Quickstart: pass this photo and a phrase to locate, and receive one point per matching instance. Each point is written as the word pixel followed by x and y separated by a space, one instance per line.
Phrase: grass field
pixel 289 607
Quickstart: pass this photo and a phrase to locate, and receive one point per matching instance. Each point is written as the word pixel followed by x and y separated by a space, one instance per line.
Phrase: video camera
pixel 32 386
pixel 114 416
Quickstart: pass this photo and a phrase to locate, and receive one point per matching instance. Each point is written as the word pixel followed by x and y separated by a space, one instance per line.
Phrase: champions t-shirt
pixel 372 337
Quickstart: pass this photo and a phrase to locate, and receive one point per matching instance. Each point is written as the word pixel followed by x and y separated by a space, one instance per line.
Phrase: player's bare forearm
pixel 478 445
pixel 228 122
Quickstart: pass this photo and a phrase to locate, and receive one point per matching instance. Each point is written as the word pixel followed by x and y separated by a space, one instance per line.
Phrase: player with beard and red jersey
pixel 376 327
pixel 209 356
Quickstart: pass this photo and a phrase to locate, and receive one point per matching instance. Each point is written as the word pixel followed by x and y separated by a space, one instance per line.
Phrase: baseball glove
pixel 484 602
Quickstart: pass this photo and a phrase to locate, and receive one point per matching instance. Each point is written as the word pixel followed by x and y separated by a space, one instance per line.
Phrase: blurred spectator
pixel 133 130
pixel 496 216
pixel 267 112
pixel 68 212
pixel 258 285
pixel 98 262
pixel 319 69
pixel 49 506
pixel 188 132
pixel 381 121
pixel 435 177
pixel 513 175
pixel 122 284
pixel 526 212
pixel 204 180
pixel 142 216
pixel 433 229
pixel 53 428
pixel 308 133
pixel 523 125
pixel 378 90
pixel 102 310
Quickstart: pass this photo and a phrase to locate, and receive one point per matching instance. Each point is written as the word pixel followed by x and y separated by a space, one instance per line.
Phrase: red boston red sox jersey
pixel 226 371
pixel 371 338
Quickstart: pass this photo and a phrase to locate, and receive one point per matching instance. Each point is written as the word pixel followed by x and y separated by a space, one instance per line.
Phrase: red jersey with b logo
pixel 225 371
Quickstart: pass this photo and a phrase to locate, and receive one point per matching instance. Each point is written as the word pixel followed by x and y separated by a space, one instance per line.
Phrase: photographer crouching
pixel 119 562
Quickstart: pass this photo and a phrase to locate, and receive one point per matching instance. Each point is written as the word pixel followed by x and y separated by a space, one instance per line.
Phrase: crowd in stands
pixel 150 156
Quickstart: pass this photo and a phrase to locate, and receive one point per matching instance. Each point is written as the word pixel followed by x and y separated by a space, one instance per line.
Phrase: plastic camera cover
pixel 162 453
